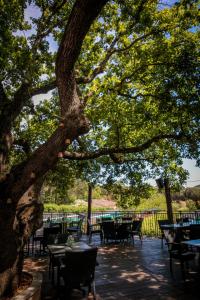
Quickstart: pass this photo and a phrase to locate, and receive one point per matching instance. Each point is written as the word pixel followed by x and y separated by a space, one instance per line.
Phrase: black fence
pixel 150 218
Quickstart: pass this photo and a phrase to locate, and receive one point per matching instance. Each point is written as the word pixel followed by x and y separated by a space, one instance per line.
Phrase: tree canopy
pixel 133 72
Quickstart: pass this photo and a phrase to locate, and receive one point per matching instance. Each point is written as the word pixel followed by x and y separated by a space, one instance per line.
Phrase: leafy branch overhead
pixel 119 76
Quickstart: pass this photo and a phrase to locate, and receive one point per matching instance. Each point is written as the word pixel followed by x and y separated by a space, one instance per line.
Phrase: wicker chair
pixel 79 270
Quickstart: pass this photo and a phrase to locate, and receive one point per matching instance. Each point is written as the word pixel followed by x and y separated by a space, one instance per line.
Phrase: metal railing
pixel 150 218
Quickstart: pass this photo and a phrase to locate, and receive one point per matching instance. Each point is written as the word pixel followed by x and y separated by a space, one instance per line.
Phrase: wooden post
pixel 168 200
pixel 89 206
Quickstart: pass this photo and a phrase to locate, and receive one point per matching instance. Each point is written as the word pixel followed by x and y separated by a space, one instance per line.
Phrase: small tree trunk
pixel 168 200
pixel 89 206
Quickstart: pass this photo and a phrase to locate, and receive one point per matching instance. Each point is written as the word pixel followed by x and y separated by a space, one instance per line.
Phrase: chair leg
pixel 182 270
pixel 162 237
pixel 90 237
pixel 140 236
pixel 170 266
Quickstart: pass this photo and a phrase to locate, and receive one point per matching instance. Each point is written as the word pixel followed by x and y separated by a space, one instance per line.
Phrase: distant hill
pixel 197 186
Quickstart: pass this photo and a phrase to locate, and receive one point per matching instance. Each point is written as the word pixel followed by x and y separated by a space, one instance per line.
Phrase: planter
pixel 33 292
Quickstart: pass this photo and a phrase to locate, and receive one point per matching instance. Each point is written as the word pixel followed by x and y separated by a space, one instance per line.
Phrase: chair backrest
pixel 49 234
pixel 61 238
pixel 163 222
pixel 103 219
pixel 108 229
pixel 52 225
pixel 108 226
pixel 126 218
pixel 194 231
pixel 123 231
pixel 80 266
pixel 137 225
pixel 182 220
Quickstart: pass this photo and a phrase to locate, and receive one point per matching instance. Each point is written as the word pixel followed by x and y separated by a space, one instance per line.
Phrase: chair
pixel 136 227
pixel 48 232
pixel 94 229
pixel 54 260
pixel 123 232
pixel 106 219
pixel 194 231
pixel 108 230
pixel 182 220
pixel 160 223
pixel 179 252
pixel 126 218
pixel 79 270
pixel 76 227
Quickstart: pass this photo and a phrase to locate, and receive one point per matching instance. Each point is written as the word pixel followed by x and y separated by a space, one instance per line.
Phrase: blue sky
pixel 194 178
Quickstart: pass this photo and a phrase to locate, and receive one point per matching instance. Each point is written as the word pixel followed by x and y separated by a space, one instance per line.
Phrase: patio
pixel 130 272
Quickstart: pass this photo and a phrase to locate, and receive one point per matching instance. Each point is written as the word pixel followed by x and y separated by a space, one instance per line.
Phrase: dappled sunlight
pixel 36 264
pixel 126 272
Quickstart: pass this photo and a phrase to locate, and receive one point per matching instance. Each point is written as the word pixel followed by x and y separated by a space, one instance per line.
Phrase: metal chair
pixel 76 227
pixel 179 252
pixel 123 232
pixel 79 270
pixel 54 260
pixel 136 227
pixel 160 223
pixel 108 231
pixel 94 229
pixel 48 232
pixel 194 231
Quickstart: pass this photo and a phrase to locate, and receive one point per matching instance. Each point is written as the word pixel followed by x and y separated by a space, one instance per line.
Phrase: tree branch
pixel 109 151
pixel 43 89
pixel 100 69
pixel 3 97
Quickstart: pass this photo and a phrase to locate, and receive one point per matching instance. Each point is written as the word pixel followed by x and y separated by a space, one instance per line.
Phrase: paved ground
pixel 130 272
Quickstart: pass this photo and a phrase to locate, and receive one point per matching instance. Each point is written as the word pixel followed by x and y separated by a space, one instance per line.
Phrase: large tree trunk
pixel 16 226
pixel 19 217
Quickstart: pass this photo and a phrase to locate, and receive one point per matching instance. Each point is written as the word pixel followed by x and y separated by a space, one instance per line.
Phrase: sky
pixel 194 178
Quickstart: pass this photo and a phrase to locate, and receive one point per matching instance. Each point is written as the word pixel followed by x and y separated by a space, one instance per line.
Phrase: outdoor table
pixel 59 251
pixel 176 232
pixel 193 243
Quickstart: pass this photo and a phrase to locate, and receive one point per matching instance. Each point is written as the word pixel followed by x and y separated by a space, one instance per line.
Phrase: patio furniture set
pixel 69 256
pixel 183 241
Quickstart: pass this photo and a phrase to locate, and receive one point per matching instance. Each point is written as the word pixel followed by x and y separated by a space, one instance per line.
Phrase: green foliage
pixel 156 201
pixel 52 207
pixel 138 61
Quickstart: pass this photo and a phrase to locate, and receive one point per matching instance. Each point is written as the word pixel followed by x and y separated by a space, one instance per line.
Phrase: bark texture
pixel 20 214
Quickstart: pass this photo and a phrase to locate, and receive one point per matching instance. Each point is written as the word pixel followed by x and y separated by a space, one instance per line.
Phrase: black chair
pixel 123 232
pixel 182 254
pixel 194 231
pixel 54 260
pixel 48 232
pixel 79 270
pixel 160 223
pixel 136 227
pixel 108 231
pixel 94 229
pixel 106 219
pixel 76 227
pixel 127 218
pixel 182 220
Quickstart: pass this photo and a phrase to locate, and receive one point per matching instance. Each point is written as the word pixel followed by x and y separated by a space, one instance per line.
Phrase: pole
pixel 89 207
pixel 168 200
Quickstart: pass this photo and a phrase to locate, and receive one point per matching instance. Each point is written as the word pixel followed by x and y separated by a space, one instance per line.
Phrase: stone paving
pixel 132 272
